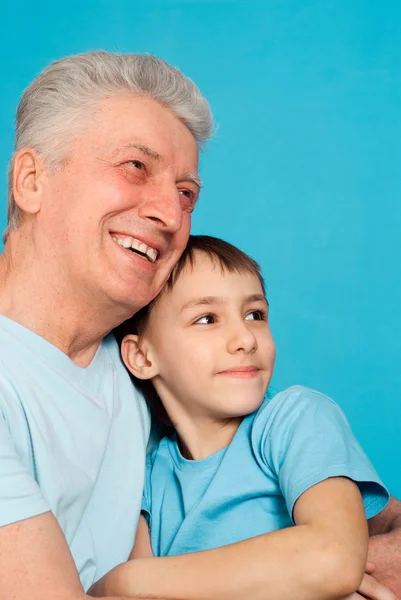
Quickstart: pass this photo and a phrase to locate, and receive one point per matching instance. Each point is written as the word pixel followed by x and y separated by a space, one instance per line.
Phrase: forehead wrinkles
pixel 133 111
pixel 160 154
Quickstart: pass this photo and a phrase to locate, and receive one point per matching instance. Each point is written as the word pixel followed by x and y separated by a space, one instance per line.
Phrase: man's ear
pixel 27 179
pixel 138 358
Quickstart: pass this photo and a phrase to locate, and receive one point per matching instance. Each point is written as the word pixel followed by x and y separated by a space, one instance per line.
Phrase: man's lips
pixel 240 372
pixel 133 244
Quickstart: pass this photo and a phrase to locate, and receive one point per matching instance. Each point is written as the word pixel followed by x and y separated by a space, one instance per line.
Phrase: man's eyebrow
pixel 194 177
pixel 205 301
pixel 145 149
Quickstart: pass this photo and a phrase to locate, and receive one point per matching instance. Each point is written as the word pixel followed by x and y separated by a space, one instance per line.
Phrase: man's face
pixel 211 343
pixel 117 215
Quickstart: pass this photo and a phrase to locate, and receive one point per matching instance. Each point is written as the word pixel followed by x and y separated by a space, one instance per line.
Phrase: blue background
pixel 303 173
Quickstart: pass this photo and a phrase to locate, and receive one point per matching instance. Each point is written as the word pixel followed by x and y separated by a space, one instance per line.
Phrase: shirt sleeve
pixel 146 508
pixel 304 437
pixel 20 495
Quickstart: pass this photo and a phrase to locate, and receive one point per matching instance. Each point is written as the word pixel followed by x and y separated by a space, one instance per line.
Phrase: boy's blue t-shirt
pixel 294 441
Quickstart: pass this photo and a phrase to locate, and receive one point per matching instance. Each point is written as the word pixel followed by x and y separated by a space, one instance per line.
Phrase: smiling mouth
pixel 240 372
pixel 136 246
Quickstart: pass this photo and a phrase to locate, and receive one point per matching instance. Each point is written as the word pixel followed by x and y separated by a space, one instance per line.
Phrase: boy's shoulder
pixel 296 408
pixel 296 397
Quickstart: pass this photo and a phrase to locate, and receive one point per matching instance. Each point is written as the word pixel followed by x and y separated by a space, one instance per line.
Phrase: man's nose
pixel 241 338
pixel 162 205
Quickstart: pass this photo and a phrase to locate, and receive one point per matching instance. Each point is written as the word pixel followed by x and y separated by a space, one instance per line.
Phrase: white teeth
pixel 127 242
pixel 152 253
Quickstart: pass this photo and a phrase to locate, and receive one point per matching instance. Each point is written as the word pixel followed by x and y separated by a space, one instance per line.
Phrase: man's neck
pixel 64 318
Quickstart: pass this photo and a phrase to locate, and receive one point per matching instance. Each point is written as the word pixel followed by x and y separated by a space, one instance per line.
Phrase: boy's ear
pixel 138 358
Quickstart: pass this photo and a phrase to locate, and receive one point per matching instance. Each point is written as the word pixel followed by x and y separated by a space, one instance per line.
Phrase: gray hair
pixel 52 108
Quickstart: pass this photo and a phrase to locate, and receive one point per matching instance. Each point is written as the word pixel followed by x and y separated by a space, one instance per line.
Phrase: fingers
pixel 371 588
pixel 370 567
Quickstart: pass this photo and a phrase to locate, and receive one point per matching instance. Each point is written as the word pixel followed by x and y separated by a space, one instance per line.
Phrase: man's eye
pixel 256 315
pixel 137 164
pixel 205 320
pixel 189 199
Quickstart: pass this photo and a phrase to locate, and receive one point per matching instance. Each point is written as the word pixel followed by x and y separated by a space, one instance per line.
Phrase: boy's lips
pixel 240 372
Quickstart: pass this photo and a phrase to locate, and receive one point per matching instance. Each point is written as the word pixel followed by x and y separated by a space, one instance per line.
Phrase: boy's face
pixel 208 346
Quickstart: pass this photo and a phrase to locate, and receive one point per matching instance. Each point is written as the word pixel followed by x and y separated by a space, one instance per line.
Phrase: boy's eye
pixel 205 320
pixel 256 315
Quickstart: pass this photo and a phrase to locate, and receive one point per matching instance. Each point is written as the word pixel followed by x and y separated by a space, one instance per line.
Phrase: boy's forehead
pixel 206 276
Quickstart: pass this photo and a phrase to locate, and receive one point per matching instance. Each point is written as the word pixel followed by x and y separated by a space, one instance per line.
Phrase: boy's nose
pixel 241 339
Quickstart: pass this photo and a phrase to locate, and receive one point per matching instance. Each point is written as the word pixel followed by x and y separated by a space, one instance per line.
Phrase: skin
pixel 63 276
pixel 385 546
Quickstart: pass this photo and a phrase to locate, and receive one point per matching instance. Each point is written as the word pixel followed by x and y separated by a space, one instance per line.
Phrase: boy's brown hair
pixel 228 258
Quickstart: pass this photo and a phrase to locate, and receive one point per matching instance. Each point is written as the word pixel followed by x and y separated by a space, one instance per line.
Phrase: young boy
pixel 231 465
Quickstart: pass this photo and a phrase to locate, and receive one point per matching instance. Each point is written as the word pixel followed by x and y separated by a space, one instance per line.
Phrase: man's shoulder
pixel 126 386
pixel 110 344
pixel 10 360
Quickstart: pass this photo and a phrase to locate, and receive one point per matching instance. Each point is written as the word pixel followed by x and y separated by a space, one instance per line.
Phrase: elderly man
pixel 101 189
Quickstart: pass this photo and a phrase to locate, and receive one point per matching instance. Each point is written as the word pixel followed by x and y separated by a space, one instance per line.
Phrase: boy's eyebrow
pixel 205 301
pixel 208 300
pixel 257 298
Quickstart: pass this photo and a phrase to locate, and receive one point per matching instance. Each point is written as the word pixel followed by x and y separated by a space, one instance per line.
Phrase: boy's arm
pixel 323 556
pixel 142 546
pixel 385 546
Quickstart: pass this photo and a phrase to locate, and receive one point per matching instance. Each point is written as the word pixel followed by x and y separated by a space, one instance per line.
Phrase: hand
pixel 371 588
pixel 385 553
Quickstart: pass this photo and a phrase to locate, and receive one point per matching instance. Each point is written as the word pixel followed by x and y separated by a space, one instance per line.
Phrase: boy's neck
pixel 199 439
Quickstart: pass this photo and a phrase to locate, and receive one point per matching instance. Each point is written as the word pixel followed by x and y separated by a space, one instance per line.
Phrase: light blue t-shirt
pixel 295 440
pixel 73 441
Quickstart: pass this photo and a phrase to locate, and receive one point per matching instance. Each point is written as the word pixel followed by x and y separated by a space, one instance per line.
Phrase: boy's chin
pixel 244 406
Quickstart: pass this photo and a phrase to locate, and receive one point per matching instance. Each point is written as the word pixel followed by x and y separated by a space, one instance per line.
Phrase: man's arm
pixel 142 549
pixel 388 520
pixel 385 546
pixel 323 556
pixel 36 563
